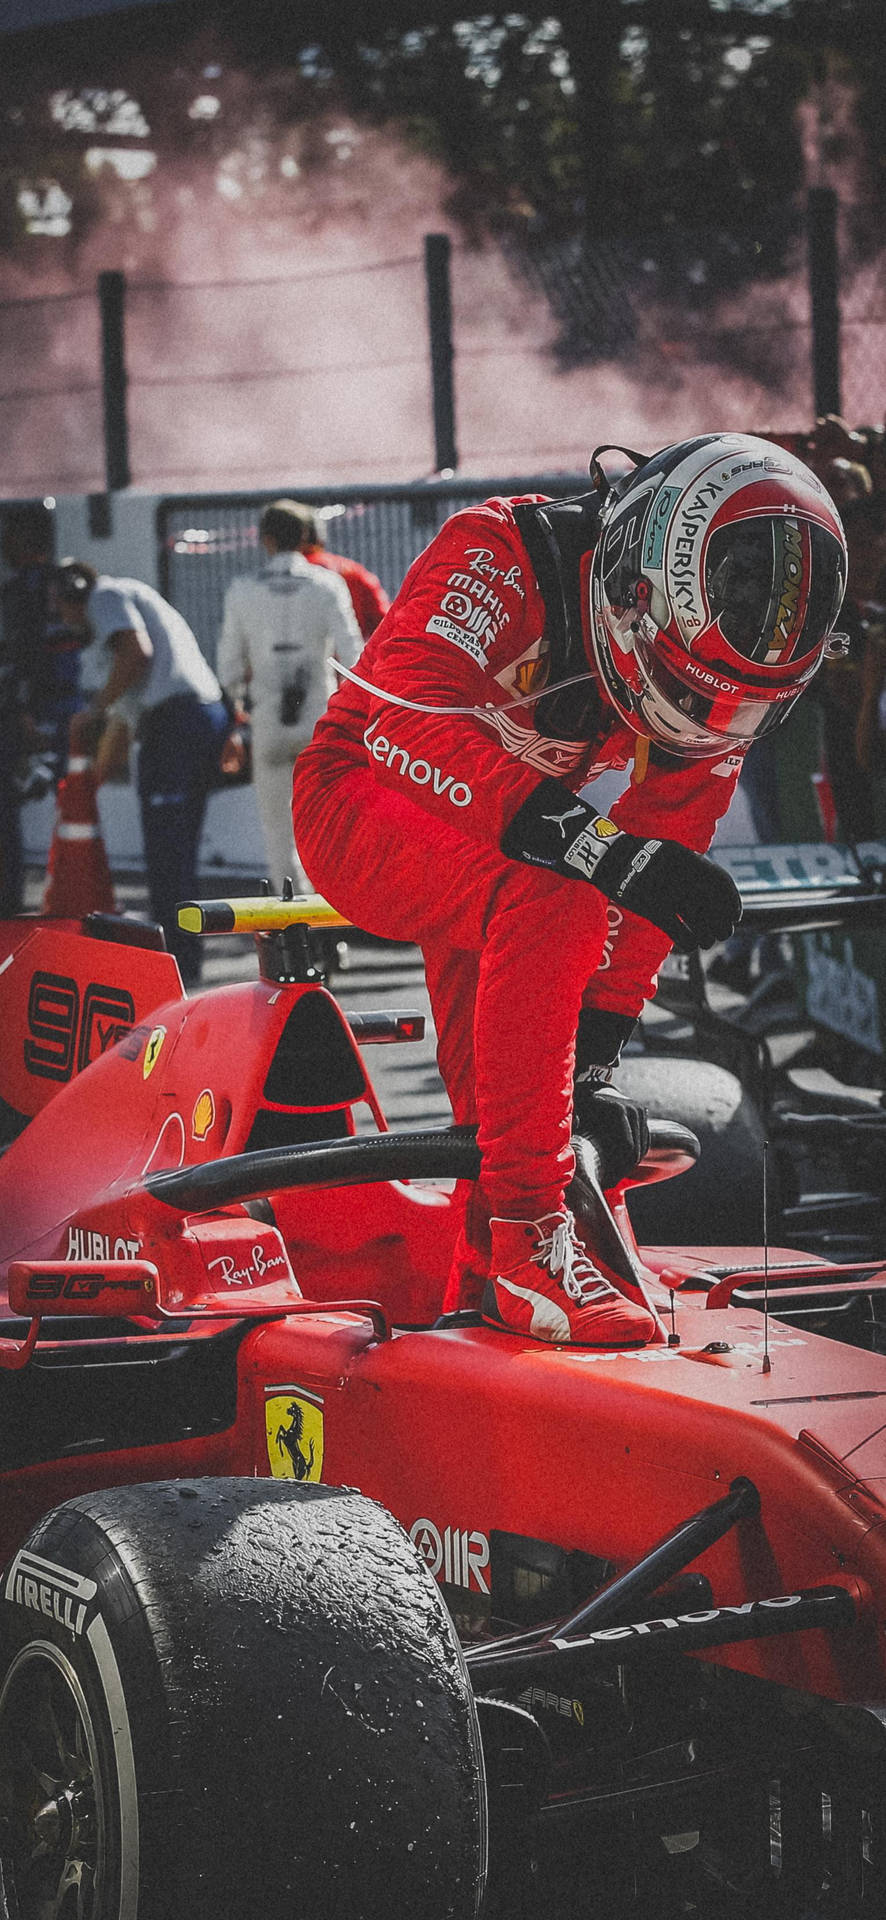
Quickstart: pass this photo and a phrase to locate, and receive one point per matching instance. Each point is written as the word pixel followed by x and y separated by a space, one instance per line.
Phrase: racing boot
pixel 545 1285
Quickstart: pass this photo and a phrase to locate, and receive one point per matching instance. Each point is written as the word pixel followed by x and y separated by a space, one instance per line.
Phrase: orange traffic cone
pixel 78 880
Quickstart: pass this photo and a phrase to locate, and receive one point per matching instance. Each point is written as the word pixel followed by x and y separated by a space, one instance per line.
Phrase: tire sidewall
pixel 48 1579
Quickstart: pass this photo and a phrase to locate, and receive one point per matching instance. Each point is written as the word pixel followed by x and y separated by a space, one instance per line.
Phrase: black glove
pixel 599 1039
pixel 691 899
pixel 616 1125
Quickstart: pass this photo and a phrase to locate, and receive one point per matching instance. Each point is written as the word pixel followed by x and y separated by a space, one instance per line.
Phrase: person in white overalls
pixel 281 629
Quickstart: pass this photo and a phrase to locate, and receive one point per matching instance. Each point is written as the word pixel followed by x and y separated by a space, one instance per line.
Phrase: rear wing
pixel 831 900
pixel 809 888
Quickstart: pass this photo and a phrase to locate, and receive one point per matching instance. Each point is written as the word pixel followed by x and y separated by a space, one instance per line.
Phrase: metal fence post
pixel 111 299
pixel 824 292
pixel 437 274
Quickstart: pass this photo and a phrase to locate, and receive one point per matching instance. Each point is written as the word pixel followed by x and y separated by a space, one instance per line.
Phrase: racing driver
pixel 663 620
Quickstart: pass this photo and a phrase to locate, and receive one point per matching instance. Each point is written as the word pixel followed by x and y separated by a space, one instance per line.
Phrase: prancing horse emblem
pixel 288 1440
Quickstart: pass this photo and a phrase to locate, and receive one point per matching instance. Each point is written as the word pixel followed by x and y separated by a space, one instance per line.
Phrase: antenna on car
pixel 673 1336
pixel 767 1363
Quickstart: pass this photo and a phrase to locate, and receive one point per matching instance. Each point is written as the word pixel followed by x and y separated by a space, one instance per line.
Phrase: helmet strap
pixel 641 758
pixel 601 481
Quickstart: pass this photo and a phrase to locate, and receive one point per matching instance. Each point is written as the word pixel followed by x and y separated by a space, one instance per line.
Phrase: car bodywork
pixel 210 1272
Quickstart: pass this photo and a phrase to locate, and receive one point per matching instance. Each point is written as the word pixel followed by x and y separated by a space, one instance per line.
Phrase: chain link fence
pixel 229 383
pixel 206 540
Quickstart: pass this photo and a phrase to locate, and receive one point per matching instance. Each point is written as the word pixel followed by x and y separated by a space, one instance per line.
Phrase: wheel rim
pixel 53 1816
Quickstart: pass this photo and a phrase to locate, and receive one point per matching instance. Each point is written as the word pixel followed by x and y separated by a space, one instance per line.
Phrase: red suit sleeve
pixel 371 603
pixel 674 802
pixel 468 608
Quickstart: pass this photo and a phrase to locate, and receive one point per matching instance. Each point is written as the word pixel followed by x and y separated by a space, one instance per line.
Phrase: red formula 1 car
pixel 315 1602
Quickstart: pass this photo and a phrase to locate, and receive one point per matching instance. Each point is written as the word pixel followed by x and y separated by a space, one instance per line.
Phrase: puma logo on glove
pixel 560 819
pixel 692 900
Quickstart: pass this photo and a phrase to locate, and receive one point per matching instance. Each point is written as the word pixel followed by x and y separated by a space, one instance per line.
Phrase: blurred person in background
pixel 39 683
pixel 848 687
pixel 662 621
pixel 847 481
pixel 874 455
pixel 822 773
pixel 49 649
pixel 865 523
pixel 832 438
pixel 153 684
pixel 280 631
pixel 368 597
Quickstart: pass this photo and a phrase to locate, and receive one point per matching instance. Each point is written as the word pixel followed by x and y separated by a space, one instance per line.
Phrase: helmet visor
pixel 774 587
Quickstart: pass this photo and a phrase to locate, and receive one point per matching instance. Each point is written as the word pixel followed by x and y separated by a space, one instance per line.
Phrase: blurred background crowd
pixel 822 777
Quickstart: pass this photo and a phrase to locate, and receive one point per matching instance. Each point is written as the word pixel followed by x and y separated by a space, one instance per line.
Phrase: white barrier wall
pixel 130 549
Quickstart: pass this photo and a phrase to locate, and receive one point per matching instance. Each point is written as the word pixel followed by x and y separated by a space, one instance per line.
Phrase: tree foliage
pixel 661 136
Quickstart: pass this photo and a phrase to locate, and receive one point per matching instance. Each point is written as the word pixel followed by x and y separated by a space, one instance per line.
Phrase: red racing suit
pixel 399 814
pixel 368 597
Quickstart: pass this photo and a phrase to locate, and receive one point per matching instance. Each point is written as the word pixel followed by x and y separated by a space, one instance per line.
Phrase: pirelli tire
pixel 719 1201
pixel 233 1698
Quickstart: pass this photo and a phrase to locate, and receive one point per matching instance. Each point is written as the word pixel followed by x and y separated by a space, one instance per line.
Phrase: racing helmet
pixel 715 582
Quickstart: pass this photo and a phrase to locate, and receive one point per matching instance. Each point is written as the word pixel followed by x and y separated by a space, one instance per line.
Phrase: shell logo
pixel 531 674
pixel 204 1115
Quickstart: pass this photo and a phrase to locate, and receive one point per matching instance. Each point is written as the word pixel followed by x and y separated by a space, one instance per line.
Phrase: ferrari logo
pixel 294 1428
pixel 152 1051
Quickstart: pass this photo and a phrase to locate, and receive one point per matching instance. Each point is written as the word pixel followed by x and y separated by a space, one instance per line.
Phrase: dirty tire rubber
pixel 274 1715
pixel 719 1201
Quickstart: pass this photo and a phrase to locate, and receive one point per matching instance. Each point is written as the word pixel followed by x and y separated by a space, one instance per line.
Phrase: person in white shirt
pixel 153 682
pixel 282 627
